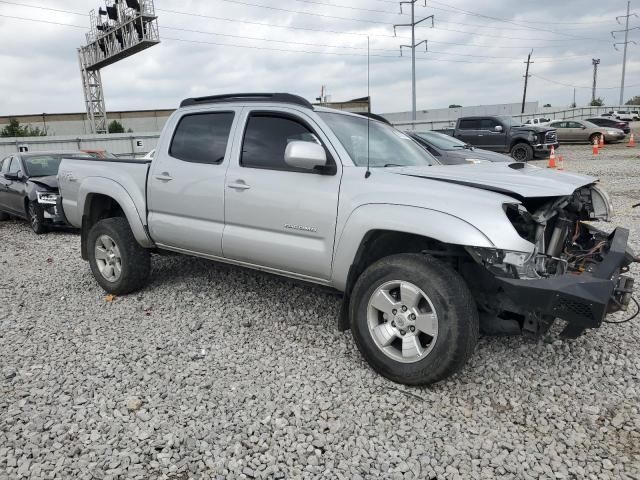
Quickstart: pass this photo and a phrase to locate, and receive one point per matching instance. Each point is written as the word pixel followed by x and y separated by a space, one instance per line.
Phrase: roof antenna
pixel 368 172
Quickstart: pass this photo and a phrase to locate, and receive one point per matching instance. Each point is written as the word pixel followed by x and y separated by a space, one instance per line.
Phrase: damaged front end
pixel 574 271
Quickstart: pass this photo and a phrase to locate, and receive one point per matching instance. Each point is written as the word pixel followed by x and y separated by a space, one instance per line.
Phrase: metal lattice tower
pixel 116 32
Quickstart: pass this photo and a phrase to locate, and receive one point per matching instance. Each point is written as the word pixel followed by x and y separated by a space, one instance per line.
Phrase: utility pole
pixel 625 43
pixel 595 62
pixel 574 98
pixel 413 47
pixel 526 80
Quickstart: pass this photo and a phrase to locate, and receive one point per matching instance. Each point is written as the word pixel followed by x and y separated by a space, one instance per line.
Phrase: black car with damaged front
pixel 29 188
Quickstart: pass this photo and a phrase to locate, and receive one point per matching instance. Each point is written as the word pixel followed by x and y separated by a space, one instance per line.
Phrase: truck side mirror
pixel 498 128
pixel 305 155
pixel 12 176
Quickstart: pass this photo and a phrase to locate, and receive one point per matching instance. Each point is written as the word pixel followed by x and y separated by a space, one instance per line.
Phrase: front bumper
pixel 53 215
pixel 544 147
pixel 582 299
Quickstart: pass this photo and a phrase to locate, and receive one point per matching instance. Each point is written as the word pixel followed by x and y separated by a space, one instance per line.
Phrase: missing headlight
pixel 522 221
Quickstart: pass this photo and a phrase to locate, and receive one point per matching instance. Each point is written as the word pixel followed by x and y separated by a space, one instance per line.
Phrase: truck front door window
pixel 266 138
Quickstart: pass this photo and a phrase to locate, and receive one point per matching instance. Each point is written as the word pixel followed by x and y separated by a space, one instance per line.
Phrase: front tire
pixel 4 216
pixel 118 262
pixel 413 319
pixel 522 152
pixel 36 218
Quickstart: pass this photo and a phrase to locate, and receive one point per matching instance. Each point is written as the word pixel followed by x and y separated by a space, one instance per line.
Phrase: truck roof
pixel 248 97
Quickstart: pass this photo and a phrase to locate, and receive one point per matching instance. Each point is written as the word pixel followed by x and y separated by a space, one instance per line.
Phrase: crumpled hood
pixel 50 182
pixel 522 180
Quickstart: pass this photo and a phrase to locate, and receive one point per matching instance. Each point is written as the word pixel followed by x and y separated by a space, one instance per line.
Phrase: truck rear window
pixel 202 137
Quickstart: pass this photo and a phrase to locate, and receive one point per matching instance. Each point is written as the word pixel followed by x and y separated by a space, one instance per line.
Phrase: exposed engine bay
pixel 572 262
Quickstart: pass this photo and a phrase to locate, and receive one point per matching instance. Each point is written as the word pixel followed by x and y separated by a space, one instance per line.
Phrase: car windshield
pixel 440 140
pixel 42 165
pixel 589 124
pixel 387 147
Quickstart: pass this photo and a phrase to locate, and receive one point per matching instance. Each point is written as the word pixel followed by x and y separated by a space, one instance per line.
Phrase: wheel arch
pixel 360 244
pixel 103 198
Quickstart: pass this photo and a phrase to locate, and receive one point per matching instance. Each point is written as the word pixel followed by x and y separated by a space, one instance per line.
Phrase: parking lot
pixel 217 372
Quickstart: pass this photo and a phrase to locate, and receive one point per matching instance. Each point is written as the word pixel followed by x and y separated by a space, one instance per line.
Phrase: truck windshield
pixel 387 147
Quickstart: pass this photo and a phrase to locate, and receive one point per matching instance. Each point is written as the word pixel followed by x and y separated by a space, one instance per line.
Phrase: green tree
pixel 548 105
pixel 634 101
pixel 14 129
pixel 454 105
pixel 598 102
pixel 115 127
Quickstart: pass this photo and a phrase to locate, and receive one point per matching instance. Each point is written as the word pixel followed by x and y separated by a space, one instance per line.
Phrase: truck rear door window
pixel 472 124
pixel 202 137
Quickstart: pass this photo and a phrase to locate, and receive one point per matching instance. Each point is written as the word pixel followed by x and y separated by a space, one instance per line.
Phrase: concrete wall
pixel 57 124
pixel 121 144
pixel 452 114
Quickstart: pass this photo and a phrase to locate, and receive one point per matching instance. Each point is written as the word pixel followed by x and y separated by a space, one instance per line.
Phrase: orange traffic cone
pixel 632 141
pixel 560 162
pixel 595 146
pixel 552 158
pixel 601 140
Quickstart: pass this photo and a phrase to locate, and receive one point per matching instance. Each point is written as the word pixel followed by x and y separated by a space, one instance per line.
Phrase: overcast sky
pixel 39 66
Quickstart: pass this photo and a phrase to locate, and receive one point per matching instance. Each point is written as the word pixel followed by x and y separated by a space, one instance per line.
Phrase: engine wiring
pixel 618 322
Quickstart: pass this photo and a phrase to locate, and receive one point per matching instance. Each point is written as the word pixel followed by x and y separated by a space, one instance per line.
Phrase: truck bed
pixel 128 175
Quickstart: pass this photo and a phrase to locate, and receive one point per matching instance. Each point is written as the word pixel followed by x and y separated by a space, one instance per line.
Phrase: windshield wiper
pixel 392 165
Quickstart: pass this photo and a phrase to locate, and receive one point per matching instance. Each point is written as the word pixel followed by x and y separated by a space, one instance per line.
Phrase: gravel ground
pixel 217 372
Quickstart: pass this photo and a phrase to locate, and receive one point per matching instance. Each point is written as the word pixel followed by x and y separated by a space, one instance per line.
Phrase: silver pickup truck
pixel 424 254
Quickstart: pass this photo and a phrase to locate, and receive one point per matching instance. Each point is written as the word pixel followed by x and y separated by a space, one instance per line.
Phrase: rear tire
pixel 36 218
pixel 118 262
pixel 4 216
pixel 444 331
pixel 594 137
pixel 522 152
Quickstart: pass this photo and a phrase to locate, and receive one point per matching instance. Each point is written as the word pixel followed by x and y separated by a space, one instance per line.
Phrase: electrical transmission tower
pixel 413 47
pixel 625 43
pixel 595 62
pixel 128 27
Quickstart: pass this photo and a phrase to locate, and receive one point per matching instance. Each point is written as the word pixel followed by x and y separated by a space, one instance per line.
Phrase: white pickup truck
pixel 424 253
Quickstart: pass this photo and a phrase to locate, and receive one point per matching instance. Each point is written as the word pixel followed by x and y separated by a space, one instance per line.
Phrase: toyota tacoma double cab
pixel 503 134
pixel 423 254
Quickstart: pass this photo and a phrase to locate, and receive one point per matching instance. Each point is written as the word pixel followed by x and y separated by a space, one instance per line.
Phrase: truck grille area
pixel 551 137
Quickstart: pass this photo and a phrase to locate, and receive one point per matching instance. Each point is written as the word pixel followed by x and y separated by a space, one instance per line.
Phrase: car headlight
pixel 475 160
pixel 47 198
pixel 612 132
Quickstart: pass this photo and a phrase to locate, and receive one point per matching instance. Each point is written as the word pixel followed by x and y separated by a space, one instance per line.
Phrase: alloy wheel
pixel 402 321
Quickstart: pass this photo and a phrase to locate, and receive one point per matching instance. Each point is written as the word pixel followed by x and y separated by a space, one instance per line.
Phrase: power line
pixel 266 24
pixel 577 86
pixel 497 19
pixel 43 8
pixel 42 21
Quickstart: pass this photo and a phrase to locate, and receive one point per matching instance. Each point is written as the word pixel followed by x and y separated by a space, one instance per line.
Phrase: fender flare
pixel 425 222
pixel 115 191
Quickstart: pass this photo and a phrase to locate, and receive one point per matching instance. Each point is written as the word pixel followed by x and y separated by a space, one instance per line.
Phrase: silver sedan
pixel 573 131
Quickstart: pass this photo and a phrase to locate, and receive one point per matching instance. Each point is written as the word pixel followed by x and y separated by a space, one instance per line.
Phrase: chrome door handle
pixel 239 186
pixel 164 177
